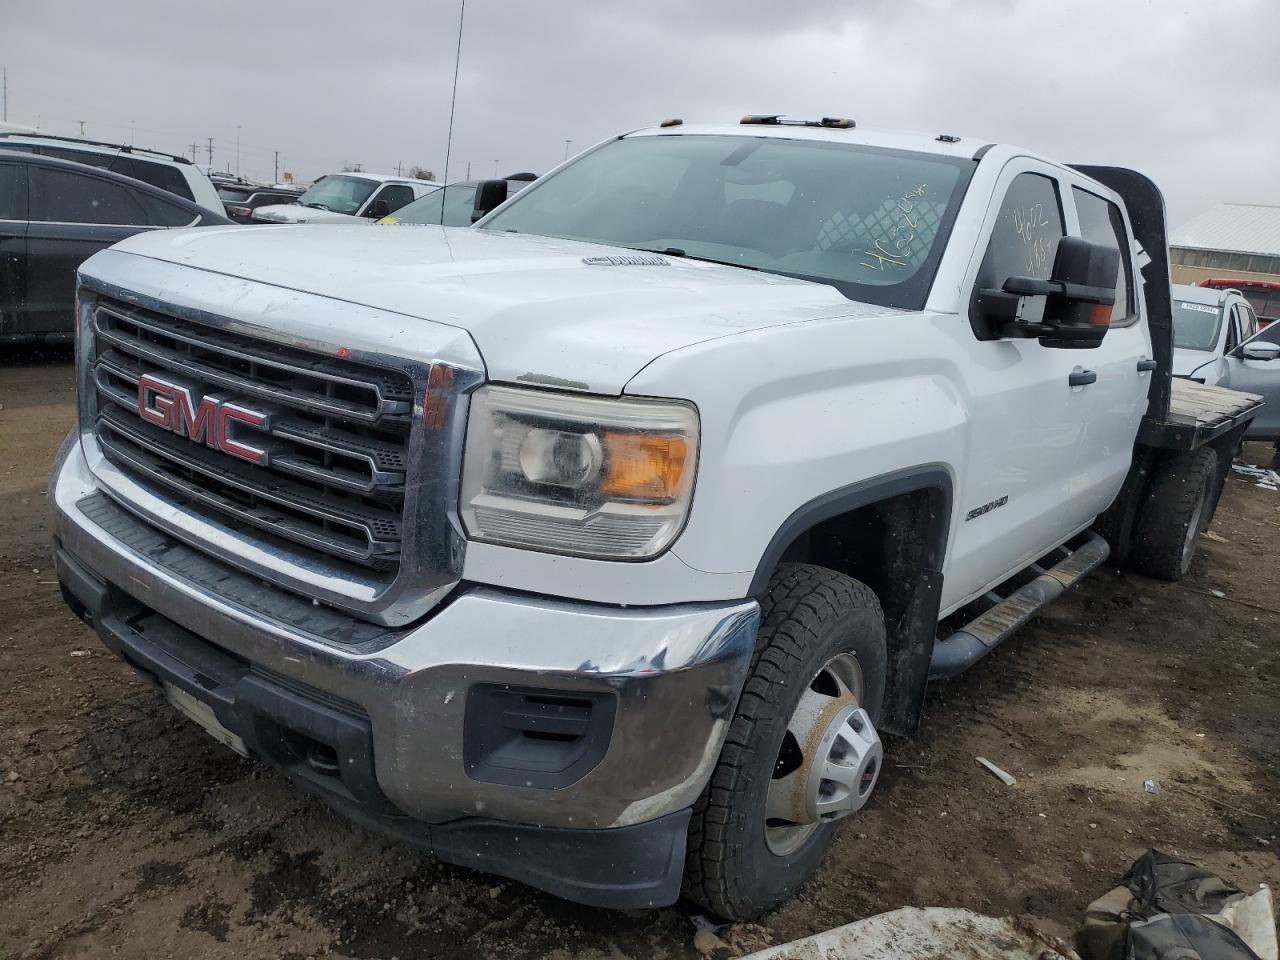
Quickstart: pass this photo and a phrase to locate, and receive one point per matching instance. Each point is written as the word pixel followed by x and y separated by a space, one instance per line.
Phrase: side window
pixel 1025 238
pixel 61 196
pixel 10 177
pixel 157 174
pixel 396 195
pixel 88 157
pixel 1248 322
pixel 1233 330
pixel 161 213
pixel 1101 222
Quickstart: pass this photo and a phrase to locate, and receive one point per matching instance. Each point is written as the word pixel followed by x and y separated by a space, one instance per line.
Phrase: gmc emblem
pixel 173 407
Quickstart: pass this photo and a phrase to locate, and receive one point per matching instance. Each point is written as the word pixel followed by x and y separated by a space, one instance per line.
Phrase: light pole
pixel 566 148
pixel 237 149
pixel 495 169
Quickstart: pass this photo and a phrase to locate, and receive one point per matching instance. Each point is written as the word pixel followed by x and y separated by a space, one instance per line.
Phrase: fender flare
pixel 930 476
pixel 913 629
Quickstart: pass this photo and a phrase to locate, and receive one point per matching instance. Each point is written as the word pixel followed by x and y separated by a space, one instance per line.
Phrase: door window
pixel 1233 331
pixel 161 213
pixel 1024 240
pixel 1248 322
pixel 1101 222
pixel 9 180
pixel 60 196
pixel 395 195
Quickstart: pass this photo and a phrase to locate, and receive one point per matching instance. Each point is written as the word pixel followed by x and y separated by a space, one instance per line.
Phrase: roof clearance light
pixel 775 120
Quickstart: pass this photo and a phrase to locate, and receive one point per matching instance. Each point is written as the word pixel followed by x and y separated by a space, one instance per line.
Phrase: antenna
pixel 453 100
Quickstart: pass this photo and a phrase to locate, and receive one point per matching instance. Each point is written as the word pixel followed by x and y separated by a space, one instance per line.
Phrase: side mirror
pixel 489 195
pixel 1260 350
pixel 1079 295
pixel 377 210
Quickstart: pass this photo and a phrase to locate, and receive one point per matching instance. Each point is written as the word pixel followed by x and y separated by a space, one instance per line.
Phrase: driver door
pixel 1018 496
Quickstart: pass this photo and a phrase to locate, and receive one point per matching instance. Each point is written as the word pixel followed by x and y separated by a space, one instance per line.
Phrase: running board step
pixel 981 635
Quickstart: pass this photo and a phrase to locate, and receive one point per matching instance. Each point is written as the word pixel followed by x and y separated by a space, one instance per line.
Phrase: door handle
pixel 1081 378
pixel 1146 366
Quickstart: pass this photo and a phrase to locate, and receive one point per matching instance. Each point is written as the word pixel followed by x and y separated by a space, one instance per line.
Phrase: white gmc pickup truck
pixel 594 545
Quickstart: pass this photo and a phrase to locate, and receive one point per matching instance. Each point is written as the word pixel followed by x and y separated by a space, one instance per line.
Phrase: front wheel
pixel 802 751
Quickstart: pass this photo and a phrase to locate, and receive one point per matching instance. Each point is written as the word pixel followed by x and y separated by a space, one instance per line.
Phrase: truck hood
pixel 540 310
pixel 1185 362
pixel 297 213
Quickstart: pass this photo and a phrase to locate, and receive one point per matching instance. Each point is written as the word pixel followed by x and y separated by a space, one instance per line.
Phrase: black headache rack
pixel 1181 415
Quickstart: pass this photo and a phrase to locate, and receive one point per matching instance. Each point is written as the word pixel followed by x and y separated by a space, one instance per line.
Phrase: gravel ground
pixel 125 831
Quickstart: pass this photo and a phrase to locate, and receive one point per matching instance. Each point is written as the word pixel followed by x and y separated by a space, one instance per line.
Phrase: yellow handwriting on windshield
pixel 896 248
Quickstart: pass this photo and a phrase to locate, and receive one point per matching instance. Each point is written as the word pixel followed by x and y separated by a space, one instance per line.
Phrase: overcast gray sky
pixel 1187 91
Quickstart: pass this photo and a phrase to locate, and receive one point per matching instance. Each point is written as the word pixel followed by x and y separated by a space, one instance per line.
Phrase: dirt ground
pixel 125 831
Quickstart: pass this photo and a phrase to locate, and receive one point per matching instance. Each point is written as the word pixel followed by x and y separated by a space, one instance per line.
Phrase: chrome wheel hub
pixel 829 761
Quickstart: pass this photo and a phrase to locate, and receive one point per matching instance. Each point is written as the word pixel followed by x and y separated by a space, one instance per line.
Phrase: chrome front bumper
pixel 672 674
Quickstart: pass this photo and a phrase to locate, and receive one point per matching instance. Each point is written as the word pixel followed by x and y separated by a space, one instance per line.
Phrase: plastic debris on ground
pixel 1165 907
pixel 925 933
pixel 1005 778
pixel 1261 476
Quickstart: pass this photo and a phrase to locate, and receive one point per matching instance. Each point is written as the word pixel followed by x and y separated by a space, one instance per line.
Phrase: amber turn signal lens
pixel 1100 315
pixel 643 466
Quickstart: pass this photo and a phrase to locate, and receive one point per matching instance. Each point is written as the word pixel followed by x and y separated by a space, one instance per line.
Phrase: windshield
pixel 234 194
pixel 456 200
pixel 872 222
pixel 1196 325
pixel 339 194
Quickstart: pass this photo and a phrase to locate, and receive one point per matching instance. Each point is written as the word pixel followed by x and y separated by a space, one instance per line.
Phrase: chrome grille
pixel 335 437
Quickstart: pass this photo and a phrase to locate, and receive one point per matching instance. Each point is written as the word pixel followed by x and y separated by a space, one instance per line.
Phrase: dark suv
pixel 54 215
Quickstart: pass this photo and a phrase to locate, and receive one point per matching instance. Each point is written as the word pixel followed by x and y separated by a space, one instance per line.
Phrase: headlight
pixel 589 476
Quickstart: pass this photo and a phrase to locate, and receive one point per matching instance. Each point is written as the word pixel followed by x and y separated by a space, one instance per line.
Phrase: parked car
pixel 54 215
pixel 1263 295
pixel 413 515
pixel 177 175
pixel 1217 342
pixel 348 198
pixel 241 200
pixel 453 205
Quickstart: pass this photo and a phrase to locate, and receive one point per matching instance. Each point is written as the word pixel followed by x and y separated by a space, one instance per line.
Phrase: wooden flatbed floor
pixel 1197 414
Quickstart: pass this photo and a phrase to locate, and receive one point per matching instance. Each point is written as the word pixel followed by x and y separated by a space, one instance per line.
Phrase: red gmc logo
pixel 173 407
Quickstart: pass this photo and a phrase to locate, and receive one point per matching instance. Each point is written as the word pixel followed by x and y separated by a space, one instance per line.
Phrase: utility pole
pixel 131 133
pixel 398 162
pixel 237 149
pixel 81 122
pixel 566 148
pixel 468 177
pixel 495 169
pixel 210 139
pixel 6 93
pixel 275 176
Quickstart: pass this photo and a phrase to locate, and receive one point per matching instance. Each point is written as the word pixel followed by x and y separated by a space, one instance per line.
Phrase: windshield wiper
pixel 318 206
pixel 677 252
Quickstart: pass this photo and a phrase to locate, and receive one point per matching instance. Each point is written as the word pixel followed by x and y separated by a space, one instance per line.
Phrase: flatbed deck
pixel 1197 414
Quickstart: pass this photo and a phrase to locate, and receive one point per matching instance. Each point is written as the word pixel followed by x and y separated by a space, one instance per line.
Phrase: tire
pixel 1178 507
pixel 810 616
